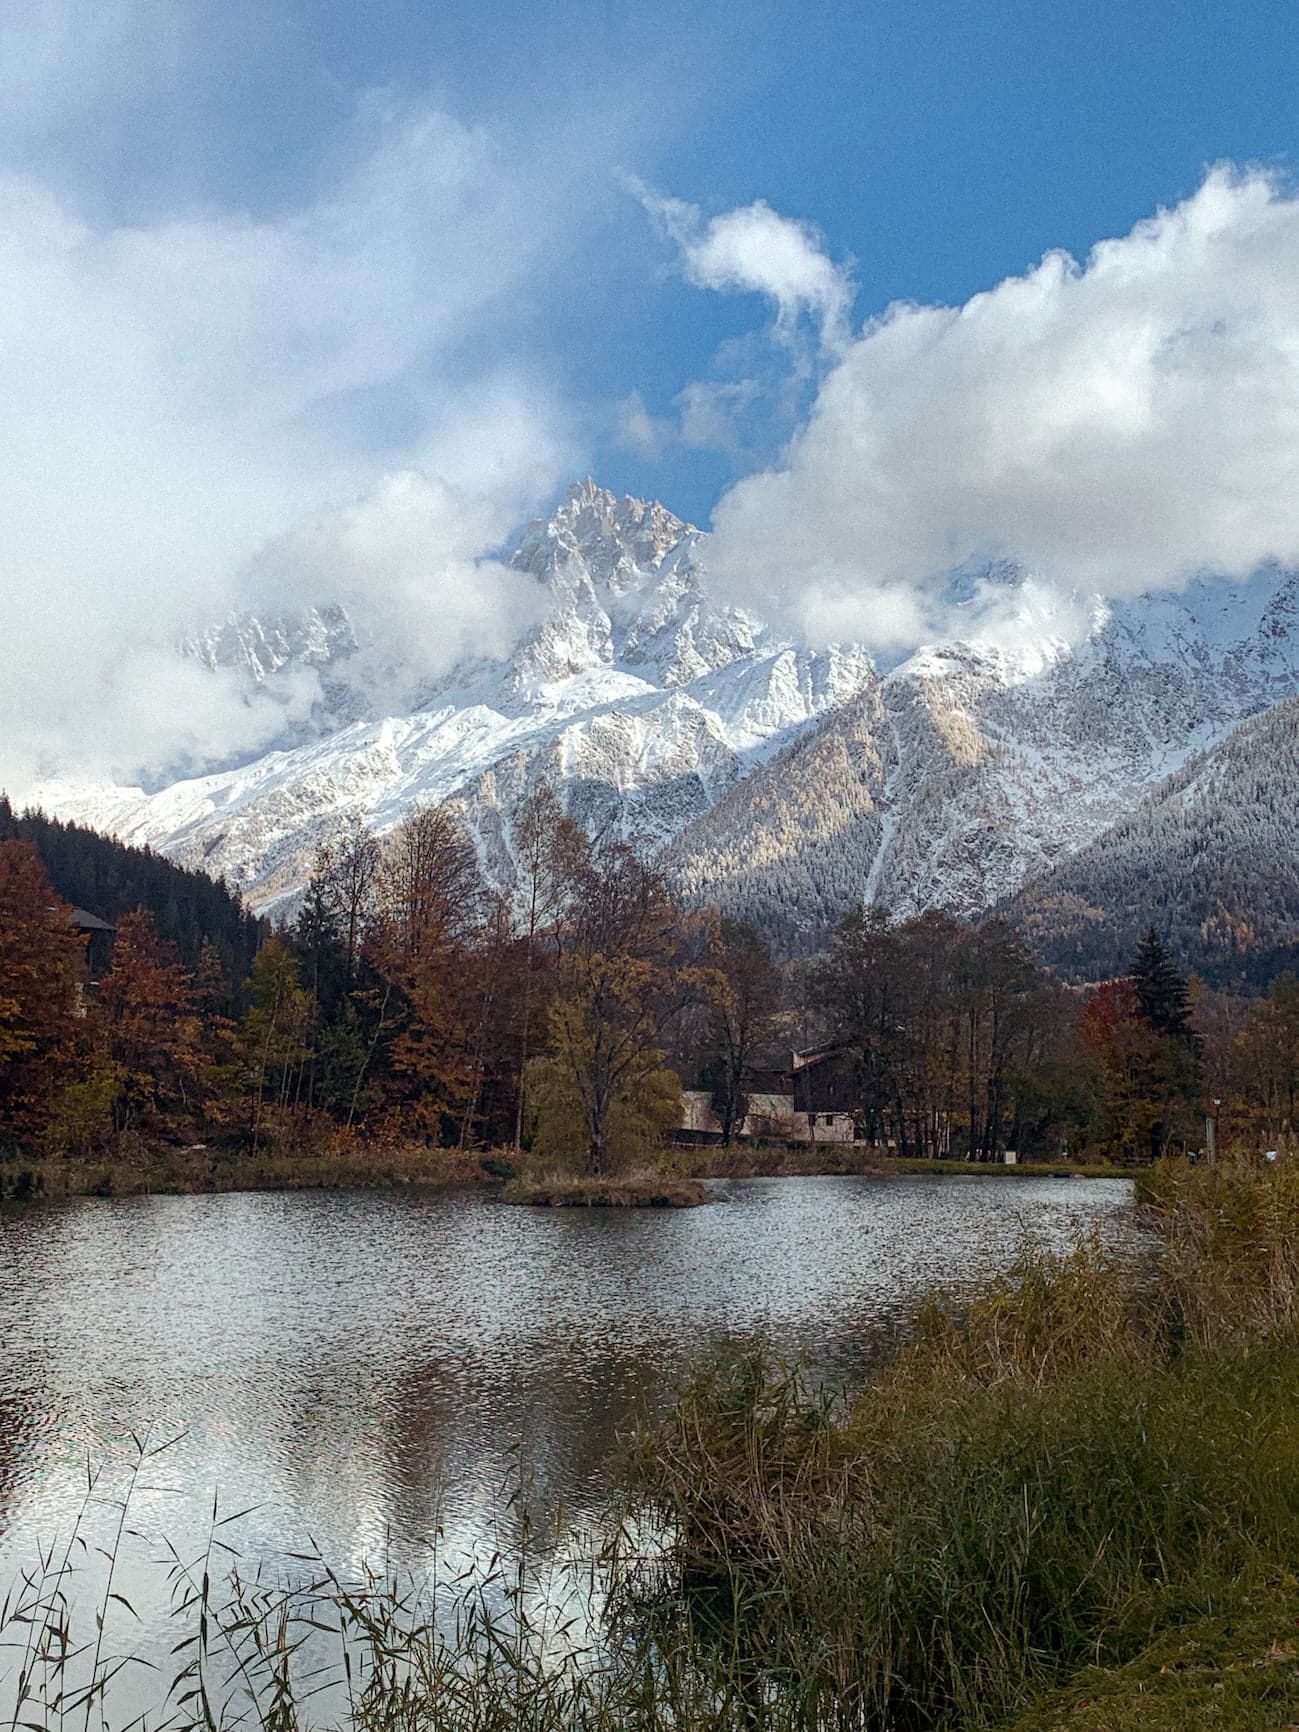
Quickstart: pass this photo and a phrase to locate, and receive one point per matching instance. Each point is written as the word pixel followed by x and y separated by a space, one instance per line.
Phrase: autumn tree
pixel 644 1107
pixel 944 1021
pixel 149 1031
pixel 1268 1050
pixel 41 960
pixel 863 986
pixel 431 906
pixel 631 964
pixel 741 1020
pixel 999 998
pixel 551 854
pixel 271 1044
pixel 344 889
pixel 1147 1076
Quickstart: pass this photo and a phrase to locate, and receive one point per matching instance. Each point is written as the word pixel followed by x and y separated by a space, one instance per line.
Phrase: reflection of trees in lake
pixel 359 1367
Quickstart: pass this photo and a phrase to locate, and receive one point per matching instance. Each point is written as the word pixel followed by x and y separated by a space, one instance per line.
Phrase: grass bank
pixel 147 1170
pixel 998 1170
pixel 1089 1467
pixel 1235 1670
pixel 830 1160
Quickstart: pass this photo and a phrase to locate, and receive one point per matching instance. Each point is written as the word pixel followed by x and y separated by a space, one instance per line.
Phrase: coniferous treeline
pixel 109 878
pixel 411 1001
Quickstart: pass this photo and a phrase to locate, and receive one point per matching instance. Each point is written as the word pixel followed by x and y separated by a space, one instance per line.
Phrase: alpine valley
pixel 778 780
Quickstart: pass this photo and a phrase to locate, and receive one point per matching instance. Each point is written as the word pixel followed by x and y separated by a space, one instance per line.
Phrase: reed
pixel 149 1169
pixel 1056 1474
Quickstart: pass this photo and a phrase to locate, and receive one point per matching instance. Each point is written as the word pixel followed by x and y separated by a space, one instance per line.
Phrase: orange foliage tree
pixel 420 946
pixel 41 972
pixel 151 1034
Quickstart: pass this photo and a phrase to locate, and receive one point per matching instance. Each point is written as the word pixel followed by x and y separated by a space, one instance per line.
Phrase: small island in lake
pixel 648 1190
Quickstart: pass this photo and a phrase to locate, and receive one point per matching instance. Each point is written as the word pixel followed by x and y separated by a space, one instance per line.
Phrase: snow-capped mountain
pixel 1211 857
pixel 966 771
pixel 637 695
pixel 775 780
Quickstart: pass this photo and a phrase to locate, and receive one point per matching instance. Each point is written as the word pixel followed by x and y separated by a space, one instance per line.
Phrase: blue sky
pixel 264 256
pixel 940 146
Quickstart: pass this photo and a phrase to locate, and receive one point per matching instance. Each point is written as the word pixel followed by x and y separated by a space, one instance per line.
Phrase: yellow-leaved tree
pixel 630 963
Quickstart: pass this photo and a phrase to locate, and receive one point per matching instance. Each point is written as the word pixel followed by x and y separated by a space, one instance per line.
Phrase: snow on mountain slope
pixel 1211 856
pixel 637 694
pixel 967 770
pixel 778 781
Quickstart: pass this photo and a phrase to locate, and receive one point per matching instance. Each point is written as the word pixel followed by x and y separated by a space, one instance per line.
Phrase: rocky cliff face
pixel 782 782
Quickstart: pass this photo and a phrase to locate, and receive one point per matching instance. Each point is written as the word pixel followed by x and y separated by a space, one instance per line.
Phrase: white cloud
pixel 711 410
pixel 1113 426
pixel 176 396
pixel 406 561
pixel 759 381
pixel 755 250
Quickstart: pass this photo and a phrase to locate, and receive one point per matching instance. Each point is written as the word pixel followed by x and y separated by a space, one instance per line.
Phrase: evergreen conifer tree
pixel 1161 989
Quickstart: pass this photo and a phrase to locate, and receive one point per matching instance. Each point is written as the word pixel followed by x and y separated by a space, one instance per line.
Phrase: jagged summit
pixel 637 693
pixel 619 543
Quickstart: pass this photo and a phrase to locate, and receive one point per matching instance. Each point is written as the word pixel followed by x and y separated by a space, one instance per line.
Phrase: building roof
pixel 85 921
pixel 814 1055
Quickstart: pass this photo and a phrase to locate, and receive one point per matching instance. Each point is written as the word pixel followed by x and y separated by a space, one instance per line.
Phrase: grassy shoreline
pixel 672 1182
pixel 860 1160
pixel 1021 1169
pixel 1065 1503
pixel 160 1171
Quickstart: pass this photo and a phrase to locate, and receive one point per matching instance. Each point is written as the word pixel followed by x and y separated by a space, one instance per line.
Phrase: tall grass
pixel 1087 1456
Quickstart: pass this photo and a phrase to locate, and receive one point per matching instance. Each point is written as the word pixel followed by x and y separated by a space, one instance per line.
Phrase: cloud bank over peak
pixel 183 396
pixel 407 562
pixel 1113 426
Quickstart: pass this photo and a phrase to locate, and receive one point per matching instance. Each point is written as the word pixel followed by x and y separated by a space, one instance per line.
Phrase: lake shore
pixel 150 1169
pixel 153 1170
pixel 1063 1499
pixel 861 1160
pixel 1104 1448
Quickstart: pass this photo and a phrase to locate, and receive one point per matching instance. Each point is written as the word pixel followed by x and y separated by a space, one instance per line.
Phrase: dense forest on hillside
pixel 1211 856
pixel 109 879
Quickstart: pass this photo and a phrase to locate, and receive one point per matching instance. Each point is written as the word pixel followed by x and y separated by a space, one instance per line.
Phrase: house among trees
pixel 99 941
pixel 811 1100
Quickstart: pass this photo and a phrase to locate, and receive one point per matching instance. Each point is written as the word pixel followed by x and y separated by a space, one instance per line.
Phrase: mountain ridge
pixel 778 780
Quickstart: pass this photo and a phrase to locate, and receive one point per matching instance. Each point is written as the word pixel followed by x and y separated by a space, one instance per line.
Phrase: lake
pixel 364 1368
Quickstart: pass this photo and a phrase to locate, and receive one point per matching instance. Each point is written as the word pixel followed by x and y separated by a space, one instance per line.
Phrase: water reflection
pixel 364 1368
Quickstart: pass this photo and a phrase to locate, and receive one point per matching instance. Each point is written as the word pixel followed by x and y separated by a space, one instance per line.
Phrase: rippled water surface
pixel 363 1367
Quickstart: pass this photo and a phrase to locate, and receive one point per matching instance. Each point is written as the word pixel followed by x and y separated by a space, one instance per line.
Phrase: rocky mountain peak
pixel 613 544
